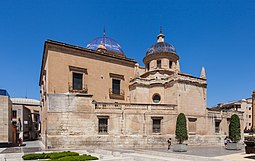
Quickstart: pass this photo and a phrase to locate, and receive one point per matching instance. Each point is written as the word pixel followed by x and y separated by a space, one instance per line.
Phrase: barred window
pixel 156 125
pixel 102 125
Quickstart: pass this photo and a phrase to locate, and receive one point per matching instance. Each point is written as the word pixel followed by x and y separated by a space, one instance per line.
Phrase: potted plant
pixel 234 133
pixel 181 134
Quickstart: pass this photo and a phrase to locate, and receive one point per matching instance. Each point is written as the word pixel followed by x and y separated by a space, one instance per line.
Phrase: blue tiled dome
pixel 160 47
pixel 109 43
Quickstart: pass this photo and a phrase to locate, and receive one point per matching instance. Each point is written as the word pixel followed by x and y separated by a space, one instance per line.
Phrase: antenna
pixel 104 32
pixel 104 35
pixel 26 93
pixel 161 24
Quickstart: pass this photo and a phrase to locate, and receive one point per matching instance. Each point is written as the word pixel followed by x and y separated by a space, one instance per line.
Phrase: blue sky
pixel 216 34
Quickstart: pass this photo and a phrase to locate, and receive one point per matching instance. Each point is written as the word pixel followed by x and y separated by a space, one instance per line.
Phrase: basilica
pixel 95 96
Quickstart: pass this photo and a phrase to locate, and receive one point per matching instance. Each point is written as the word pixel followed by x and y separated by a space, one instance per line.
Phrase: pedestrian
pixel 20 138
pixel 226 141
pixel 169 143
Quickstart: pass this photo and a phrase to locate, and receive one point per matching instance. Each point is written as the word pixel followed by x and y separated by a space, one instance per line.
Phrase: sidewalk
pixel 195 153
pixel 237 157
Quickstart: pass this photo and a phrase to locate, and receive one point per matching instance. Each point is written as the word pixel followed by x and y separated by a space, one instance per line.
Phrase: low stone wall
pixel 131 141
pixel 135 141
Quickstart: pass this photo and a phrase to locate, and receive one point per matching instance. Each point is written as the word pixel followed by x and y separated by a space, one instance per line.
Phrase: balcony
pixel 133 106
pixel 117 94
pixel 83 90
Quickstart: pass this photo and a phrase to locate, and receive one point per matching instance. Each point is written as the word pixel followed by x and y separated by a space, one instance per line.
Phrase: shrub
pixel 181 128
pixel 53 155
pixel 234 128
pixel 62 154
pixel 35 156
pixel 76 158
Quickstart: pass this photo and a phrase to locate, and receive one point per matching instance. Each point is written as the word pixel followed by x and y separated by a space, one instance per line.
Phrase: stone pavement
pixel 206 153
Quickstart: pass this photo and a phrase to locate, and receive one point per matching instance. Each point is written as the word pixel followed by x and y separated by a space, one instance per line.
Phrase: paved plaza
pixel 204 153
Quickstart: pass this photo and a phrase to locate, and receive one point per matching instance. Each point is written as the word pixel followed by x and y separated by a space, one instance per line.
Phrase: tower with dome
pixel 96 96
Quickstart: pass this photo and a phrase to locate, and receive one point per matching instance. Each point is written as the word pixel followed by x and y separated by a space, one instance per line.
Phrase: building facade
pixel 245 106
pixel 253 110
pixel 6 128
pixel 26 115
pixel 97 96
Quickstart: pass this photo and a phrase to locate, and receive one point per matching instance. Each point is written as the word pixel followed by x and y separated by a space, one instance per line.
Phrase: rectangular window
pixel 158 63
pixel 217 126
pixel 77 81
pixel 14 114
pixel 148 66
pixel 156 125
pixel 170 64
pixel 102 125
pixel 116 86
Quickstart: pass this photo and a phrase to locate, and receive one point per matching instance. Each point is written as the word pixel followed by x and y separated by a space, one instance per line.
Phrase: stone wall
pixel 5 119
pixel 72 121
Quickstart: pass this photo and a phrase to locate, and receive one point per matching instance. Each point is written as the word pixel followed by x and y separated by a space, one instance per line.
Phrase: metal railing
pixel 83 90
pixel 103 128
pixel 117 93
pixel 156 128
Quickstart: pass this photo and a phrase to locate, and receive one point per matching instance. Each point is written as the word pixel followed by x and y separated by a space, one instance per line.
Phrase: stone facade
pixel 6 132
pixel 97 96
pixel 253 110
pixel 245 106
pixel 26 113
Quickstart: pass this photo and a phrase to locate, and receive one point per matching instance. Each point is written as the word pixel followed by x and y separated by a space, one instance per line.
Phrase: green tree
pixel 181 128
pixel 234 128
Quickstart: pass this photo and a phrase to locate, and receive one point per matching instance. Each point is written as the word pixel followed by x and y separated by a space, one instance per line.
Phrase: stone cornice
pixel 187 75
pixel 167 82
pixel 133 104
pixel 171 56
pixel 161 71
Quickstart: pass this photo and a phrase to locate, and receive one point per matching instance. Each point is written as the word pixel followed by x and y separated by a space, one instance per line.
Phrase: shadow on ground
pixel 21 150
pixel 250 157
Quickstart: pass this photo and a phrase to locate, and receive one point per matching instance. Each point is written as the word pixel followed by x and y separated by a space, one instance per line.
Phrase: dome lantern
pixel 160 36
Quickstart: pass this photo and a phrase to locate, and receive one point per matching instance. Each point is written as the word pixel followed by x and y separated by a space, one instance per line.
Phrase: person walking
pixel 169 143
pixel 226 141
